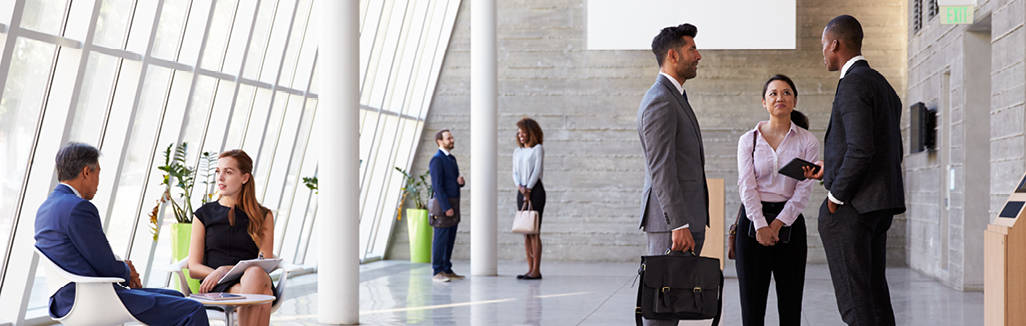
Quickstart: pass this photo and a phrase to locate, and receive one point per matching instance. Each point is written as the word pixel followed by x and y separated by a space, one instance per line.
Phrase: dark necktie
pixel 685 94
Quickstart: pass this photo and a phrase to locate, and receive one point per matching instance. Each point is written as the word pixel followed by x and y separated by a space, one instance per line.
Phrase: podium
pixel 1004 247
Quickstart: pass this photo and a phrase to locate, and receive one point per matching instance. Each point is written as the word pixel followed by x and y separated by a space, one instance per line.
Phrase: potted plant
pixel 179 181
pixel 420 232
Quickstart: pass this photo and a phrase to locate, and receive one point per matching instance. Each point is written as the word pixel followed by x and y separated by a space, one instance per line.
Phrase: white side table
pixel 229 306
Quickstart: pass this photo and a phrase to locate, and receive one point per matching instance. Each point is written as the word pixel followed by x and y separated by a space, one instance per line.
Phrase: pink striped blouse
pixel 773 186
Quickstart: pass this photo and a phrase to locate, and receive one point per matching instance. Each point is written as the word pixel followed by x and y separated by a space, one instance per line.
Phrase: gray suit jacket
pixel 675 191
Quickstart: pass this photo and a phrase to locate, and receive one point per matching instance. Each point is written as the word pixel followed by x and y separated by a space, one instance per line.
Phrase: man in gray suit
pixel 675 200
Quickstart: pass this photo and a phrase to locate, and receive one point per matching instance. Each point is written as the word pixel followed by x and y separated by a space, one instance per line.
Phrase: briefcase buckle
pixel 665 289
pixel 697 289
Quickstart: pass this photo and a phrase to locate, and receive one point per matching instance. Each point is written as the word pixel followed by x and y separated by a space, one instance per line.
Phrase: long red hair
pixel 247 197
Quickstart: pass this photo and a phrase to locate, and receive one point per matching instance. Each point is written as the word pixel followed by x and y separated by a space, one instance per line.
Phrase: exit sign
pixel 956 14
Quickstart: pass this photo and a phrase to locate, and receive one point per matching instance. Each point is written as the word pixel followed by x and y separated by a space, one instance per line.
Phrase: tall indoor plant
pixel 179 180
pixel 420 232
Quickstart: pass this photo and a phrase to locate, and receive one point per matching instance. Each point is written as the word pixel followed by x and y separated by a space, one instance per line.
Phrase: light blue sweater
pixel 527 166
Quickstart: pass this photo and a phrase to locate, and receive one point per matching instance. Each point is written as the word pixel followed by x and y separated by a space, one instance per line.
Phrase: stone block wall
pixel 586 103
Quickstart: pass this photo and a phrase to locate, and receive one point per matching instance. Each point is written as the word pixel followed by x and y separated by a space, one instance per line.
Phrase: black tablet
pixel 794 168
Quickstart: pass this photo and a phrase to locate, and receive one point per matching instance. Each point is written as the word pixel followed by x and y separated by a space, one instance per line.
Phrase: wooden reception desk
pixel 1004 247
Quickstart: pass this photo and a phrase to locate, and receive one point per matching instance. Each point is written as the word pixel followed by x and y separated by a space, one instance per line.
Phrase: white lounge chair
pixel 96 303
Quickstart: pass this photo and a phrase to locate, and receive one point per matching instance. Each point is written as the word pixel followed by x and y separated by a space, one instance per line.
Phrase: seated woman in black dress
pixel 224 232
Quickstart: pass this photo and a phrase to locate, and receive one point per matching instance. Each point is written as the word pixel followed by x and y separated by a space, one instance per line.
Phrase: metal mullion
pixel 270 31
pixel 281 195
pixel 374 41
pixel 5 62
pixel 238 84
pixel 377 124
pixel 43 37
pixel 366 70
pixel 306 248
pixel 131 118
pixel 147 59
pixel 302 223
pixel 424 107
pixel 117 53
pixel 185 115
pixel 392 155
pixel 117 74
pixel 80 75
pixel 174 65
pixel 306 210
pixel 28 169
pixel 274 93
pixel 228 39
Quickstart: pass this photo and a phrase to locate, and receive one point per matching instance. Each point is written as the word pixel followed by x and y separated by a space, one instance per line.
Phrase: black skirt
pixel 537 200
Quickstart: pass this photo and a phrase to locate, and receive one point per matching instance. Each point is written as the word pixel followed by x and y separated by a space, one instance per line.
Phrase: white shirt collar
pixel 73 190
pixel 680 88
pixel 444 151
pixel 847 65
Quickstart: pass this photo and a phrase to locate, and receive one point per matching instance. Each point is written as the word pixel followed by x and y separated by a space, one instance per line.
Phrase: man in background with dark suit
pixel 674 200
pixel 862 172
pixel 446 182
pixel 69 232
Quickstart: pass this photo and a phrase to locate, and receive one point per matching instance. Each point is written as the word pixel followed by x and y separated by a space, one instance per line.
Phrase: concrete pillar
pixel 483 116
pixel 338 271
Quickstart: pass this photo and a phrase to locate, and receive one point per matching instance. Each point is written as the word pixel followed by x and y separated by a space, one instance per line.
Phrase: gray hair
pixel 72 157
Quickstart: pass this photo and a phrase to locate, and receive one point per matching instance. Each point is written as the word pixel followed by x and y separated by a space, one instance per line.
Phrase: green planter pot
pixel 181 233
pixel 420 235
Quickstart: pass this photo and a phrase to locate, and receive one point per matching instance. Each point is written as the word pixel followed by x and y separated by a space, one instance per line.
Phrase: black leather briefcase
pixel 680 286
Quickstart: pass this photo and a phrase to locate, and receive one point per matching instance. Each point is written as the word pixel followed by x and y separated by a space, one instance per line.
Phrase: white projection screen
pixel 722 24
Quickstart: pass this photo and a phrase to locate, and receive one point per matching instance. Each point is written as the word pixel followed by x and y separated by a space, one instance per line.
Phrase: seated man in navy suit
pixel 68 231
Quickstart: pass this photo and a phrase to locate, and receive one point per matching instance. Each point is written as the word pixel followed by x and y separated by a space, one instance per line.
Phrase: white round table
pixel 229 306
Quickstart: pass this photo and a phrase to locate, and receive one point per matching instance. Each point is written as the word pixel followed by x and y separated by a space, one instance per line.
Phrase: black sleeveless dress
pixel 225 244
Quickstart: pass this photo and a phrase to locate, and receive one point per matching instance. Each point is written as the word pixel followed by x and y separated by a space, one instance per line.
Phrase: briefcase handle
pixel 679 253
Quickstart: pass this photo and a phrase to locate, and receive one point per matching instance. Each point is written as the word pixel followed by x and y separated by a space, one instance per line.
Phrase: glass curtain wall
pixel 132 77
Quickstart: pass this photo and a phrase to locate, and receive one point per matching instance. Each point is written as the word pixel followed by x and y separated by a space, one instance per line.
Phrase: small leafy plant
pixel 414 188
pixel 179 180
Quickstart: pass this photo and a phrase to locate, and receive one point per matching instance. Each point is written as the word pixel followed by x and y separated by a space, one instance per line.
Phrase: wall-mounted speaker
pixel 923 133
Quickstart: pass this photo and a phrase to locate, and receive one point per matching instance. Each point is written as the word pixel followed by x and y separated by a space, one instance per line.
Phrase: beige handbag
pixel 526 220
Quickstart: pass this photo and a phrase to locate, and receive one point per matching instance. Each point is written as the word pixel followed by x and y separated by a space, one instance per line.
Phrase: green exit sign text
pixel 956 14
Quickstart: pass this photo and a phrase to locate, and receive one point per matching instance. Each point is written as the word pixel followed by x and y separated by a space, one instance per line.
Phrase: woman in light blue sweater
pixel 527 175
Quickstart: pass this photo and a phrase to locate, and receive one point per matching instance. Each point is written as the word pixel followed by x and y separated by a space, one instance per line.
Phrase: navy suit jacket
pixel 69 232
pixel 863 150
pixel 444 175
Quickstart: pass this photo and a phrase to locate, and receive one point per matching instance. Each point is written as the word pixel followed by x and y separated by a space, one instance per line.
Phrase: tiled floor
pixel 399 293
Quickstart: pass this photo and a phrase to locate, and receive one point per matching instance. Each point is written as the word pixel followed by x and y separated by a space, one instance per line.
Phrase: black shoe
pixel 529 277
pixel 521 276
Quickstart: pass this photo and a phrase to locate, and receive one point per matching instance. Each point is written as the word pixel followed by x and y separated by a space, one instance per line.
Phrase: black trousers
pixel 785 262
pixel 856 250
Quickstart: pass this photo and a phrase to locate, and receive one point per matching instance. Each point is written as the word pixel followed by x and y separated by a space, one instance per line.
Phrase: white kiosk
pixel 1004 247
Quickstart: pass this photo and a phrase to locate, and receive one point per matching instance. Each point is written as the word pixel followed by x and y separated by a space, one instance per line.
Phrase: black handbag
pixel 679 286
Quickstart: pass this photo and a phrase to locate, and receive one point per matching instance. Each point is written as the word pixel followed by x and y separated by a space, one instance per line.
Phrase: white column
pixel 483 112
pixel 338 270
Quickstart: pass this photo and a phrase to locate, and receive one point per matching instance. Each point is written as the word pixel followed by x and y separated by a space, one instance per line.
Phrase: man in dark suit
pixel 446 182
pixel 674 200
pixel 69 232
pixel 862 172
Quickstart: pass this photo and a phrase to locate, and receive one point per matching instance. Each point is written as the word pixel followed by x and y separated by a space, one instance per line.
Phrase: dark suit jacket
pixel 444 172
pixel 69 232
pixel 675 191
pixel 862 150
